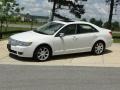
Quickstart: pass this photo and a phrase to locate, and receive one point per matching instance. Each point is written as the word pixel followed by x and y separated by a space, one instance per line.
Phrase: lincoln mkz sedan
pixel 58 37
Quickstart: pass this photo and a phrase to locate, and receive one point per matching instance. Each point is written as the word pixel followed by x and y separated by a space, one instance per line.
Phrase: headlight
pixel 24 43
pixel 19 43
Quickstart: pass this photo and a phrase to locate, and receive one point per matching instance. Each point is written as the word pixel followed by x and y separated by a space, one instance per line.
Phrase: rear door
pixel 86 34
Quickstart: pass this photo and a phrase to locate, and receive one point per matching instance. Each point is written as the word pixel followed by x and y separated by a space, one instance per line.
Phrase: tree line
pixel 77 8
pixel 8 8
pixel 115 25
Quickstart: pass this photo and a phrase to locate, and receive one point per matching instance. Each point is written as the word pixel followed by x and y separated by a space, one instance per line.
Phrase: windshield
pixel 49 28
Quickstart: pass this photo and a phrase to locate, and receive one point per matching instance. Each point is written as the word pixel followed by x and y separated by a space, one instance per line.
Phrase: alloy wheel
pixel 99 48
pixel 43 54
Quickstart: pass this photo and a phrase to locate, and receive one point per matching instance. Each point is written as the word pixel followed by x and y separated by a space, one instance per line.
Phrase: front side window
pixel 69 30
pixel 84 28
pixel 49 28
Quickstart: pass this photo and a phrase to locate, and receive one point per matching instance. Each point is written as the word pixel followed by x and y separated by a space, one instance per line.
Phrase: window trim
pixel 57 34
pixel 87 32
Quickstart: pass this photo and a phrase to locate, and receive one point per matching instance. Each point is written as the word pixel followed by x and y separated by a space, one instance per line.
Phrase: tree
pixel 74 6
pixel 115 26
pixel 113 4
pixel 93 20
pixel 105 25
pixel 84 19
pixel 99 23
pixel 7 8
pixel 96 22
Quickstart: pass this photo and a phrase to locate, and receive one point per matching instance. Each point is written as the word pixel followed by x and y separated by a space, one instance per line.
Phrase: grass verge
pixel 116 37
pixel 12 30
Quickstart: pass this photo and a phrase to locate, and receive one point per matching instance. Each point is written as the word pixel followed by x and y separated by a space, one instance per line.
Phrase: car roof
pixel 76 22
pixel 72 22
pixel 60 22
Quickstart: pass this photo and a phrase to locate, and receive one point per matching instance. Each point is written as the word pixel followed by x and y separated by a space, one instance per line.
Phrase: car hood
pixel 28 36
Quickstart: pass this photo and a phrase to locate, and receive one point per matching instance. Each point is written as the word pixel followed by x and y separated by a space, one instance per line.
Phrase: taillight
pixel 110 33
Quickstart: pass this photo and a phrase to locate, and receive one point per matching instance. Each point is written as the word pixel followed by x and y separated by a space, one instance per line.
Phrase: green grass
pixel 116 37
pixel 116 40
pixel 12 30
pixel 116 34
pixel 28 23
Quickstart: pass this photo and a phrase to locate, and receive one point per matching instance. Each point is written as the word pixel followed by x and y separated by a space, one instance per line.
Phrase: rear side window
pixel 84 28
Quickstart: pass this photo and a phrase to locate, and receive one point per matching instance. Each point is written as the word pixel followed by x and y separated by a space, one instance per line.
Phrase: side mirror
pixel 61 34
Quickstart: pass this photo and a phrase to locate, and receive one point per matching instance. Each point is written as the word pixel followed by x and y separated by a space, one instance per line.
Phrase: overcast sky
pixel 94 8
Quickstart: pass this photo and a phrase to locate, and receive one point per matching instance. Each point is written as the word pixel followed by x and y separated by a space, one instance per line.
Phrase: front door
pixel 65 44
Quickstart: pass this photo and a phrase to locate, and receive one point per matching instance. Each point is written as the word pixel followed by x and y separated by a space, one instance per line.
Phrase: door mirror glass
pixel 61 34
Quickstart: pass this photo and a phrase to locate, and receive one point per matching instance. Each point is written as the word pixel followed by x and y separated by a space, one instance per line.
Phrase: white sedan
pixel 57 37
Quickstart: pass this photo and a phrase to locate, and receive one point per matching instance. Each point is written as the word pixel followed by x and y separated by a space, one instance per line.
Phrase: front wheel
pixel 98 48
pixel 42 53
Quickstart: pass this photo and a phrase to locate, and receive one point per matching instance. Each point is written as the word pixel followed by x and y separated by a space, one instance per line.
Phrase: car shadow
pixel 23 59
pixel 107 51
pixel 58 57
pixel 77 55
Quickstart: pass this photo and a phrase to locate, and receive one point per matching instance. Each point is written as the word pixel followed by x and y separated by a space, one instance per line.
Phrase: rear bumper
pixel 109 43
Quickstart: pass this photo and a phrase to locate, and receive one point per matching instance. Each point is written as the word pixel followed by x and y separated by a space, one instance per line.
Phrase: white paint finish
pixel 62 45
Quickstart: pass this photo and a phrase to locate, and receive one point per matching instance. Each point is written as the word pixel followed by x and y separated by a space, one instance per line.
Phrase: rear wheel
pixel 42 53
pixel 98 48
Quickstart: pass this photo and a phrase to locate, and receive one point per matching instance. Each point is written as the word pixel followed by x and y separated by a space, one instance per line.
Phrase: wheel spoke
pixel 46 54
pixel 40 49
pixel 45 49
pixel 39 57
pixel 44 57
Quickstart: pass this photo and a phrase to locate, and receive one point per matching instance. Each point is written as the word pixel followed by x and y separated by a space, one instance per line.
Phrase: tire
pixel 98 48
pixel 42 53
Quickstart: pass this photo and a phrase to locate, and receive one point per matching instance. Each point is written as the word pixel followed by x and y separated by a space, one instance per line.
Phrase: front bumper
pixel 21 51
